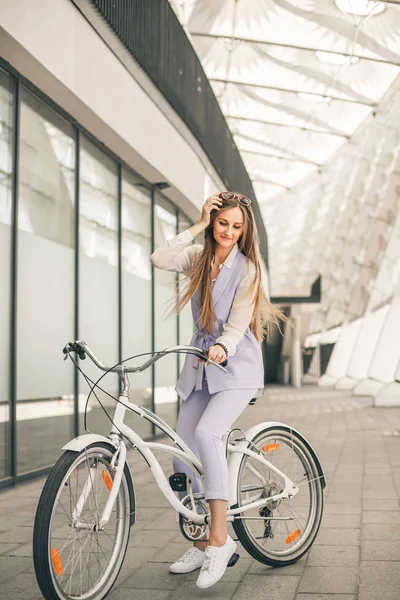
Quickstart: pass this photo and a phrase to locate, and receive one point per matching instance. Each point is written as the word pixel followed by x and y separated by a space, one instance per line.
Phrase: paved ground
pixel 356 555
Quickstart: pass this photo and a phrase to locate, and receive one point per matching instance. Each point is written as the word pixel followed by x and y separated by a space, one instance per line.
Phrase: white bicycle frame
pixel 180 450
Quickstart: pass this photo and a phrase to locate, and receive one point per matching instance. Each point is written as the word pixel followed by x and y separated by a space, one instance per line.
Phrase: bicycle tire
pixel 300 540
pixel 50 560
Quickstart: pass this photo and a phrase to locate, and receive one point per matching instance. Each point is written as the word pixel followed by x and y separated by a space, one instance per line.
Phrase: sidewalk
pixel 356 555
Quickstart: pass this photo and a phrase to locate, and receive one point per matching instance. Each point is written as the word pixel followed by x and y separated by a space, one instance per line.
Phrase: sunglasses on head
pixel 230 196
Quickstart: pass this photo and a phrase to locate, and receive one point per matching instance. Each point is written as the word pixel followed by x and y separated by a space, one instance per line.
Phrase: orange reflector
pixel 270 447
pixel 293 536
pixel 107 479
pixel 56 561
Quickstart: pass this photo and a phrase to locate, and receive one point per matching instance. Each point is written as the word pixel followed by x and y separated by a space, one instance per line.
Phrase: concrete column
pixel 295 356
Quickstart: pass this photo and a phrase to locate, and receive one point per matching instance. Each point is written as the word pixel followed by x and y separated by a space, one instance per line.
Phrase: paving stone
pixel 12 566
pixel 385 494
pixel 11 523
pixel 7 547
pixel 353 499
pixel 165 521
pixel 126 594
pixel 296 568
pixel 333 556
pixel 341 521
pixel 222 590
pixel 153 576
pixel 379 580
pixel 271 587
pixel 380 550
pixel 23 587
pixel 337 537
pixel 171 552
pixel 329 580
pixel 150 538
pixel 21 550
pixel 381 505
pixel 342 509
pixel 381 517
pixel 381 531
pixel 325 597
pixel 135 557
pixel 19 534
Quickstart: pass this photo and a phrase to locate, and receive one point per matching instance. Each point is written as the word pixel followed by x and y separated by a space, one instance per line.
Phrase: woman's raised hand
pixel 213 203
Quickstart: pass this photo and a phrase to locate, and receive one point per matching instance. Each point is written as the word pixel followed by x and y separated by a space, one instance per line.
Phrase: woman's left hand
pixel 217 354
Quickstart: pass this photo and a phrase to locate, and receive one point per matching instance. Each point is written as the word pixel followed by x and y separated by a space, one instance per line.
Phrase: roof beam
pixel 266 144
pixel 287 158
pixel 293 111
pixel 269 182
pixel 301 127
pixel 280 45
pixel 290 91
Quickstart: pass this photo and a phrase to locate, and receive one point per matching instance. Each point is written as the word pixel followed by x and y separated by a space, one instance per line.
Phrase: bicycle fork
pixel 113 486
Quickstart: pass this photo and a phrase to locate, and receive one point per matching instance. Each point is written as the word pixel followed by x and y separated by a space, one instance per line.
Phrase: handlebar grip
pixel 75 347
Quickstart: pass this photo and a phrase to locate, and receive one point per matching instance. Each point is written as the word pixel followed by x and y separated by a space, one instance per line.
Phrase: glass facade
pixel 137 291
pixel 165 327
pixel 6 113
pixel 75 263
pixel 98 276
pixel 45 278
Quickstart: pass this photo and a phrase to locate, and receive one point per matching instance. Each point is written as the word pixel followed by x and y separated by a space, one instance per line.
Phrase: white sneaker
pixel 215 563
pixel 192 559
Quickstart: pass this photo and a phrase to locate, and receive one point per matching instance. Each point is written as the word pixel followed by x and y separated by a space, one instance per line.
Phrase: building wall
pixel 92 138
pixel 54 46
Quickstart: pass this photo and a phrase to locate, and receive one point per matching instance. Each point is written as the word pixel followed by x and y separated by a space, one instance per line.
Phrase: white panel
pixel 389 395
pixel 387 352
pixel 343 349
pixel 45 313
pixel 366 343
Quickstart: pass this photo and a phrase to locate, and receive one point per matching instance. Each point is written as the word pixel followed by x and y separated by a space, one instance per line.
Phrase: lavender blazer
pixel 245 369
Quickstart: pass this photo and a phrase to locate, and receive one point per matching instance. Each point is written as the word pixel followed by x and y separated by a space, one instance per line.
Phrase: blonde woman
pixel 231 314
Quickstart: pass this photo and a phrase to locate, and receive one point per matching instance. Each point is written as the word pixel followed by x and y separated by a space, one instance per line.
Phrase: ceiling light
pixel 313 97
pixel 334 58
pixel 362 8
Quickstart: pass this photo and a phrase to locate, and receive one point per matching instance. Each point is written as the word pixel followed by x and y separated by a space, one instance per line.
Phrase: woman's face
pixel 228 227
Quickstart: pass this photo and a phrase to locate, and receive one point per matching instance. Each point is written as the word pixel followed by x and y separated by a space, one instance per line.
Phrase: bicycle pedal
pixel 233 559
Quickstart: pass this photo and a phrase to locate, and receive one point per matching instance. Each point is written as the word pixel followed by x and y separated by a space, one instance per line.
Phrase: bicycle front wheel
pixel 72 557
pixel 280 532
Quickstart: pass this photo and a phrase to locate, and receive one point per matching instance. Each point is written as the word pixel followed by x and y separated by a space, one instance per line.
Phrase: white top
pixel 179 255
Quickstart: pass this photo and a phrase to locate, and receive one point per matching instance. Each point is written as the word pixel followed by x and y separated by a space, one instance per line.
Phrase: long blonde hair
pixel 264 312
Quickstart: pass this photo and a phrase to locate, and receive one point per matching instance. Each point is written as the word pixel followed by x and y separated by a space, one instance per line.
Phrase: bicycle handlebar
pixel 81 349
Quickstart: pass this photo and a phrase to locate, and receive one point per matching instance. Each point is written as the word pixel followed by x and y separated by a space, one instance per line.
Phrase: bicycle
pixel 87 506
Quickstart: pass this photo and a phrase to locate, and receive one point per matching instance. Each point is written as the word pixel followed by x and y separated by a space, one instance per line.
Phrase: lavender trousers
pixel 203 420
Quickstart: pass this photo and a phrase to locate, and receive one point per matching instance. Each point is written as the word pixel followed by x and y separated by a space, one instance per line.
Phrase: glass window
pixel 166 369
pixel 45 305
pixel 136 292
pixel 98 277
pixel 6 100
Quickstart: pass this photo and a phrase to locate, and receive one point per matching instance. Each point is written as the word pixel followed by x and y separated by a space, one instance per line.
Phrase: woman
pixel 231 315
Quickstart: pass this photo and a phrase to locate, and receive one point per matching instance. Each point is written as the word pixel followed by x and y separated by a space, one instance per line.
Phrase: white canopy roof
pixel 299 82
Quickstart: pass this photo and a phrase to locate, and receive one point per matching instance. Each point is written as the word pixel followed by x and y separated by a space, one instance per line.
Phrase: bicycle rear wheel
pixel 294 522
pixel 72 558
